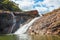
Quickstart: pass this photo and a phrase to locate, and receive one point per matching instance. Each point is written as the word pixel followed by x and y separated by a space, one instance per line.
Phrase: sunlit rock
pixel 49 23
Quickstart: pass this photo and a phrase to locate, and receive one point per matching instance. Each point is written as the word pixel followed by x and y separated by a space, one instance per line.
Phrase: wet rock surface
pixel 6 22
pixel 47 24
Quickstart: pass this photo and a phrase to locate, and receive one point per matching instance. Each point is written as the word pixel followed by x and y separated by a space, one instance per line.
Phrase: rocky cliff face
pixel 49 23
pixel 7 20
pixel 23 18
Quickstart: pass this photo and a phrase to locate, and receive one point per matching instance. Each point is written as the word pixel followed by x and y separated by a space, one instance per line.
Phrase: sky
pixel 43 6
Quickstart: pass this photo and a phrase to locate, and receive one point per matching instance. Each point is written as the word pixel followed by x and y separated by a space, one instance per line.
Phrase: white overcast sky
pixel 42 6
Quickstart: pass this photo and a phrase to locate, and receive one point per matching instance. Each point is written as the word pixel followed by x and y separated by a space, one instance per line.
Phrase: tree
pixel 9 5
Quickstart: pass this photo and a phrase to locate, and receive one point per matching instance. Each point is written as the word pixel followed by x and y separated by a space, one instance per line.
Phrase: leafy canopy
pixel 9 5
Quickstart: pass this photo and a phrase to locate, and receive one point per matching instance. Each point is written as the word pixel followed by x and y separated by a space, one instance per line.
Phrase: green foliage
pixel 9 5
pixel 8 37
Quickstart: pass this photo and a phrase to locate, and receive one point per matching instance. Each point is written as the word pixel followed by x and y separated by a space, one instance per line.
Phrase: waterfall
pixel 24 28
pixel 14 22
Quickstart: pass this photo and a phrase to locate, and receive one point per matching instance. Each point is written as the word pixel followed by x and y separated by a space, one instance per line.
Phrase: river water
pixel 29 37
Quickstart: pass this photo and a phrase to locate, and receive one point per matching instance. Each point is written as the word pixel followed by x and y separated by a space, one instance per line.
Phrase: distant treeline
pixel 8 5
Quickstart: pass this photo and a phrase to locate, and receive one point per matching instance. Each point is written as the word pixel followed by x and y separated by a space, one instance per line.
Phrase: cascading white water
pixel 24 28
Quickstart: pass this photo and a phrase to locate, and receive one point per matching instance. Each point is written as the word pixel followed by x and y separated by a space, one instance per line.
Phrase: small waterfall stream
pixel 14 22
pixel 24 28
